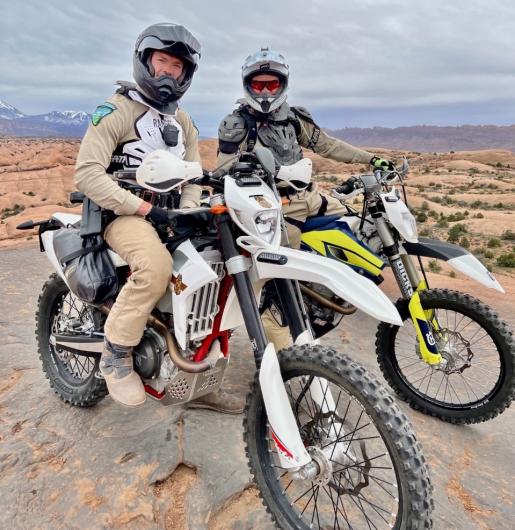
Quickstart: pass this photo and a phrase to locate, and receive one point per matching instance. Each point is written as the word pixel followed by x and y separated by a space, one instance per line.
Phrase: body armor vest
pixel 278 132
pixel 281 139
pixel 149 129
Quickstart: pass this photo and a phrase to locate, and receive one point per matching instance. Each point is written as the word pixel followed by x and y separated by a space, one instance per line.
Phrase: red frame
pixel 222 336
pixel 216 334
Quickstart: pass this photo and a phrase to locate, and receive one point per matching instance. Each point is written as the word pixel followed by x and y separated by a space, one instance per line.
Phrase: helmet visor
pixel 180 49
pixel 272 86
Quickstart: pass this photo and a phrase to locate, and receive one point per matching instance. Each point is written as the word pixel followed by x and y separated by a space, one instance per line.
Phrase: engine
pixel 148 354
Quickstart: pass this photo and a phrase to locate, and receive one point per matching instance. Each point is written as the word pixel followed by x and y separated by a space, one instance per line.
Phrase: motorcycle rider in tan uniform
pixel 264 118
pixel 137 120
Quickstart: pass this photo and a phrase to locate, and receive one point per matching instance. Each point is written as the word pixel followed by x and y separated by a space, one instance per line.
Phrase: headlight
pixel 266 224
pixel 263 224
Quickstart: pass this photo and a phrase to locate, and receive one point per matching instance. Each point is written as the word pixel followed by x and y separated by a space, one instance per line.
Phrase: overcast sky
pixel 353 62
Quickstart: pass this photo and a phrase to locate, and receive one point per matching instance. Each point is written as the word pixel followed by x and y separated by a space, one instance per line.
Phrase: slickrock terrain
pixel 474 190
pixel 171 468
pixel 168 468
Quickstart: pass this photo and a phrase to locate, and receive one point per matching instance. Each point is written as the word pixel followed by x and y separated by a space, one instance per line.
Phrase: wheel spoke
pixel 473 360
pixel 72 367
pixel 362 488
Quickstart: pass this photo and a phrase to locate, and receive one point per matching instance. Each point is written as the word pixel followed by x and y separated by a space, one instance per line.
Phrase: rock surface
pixel 169 468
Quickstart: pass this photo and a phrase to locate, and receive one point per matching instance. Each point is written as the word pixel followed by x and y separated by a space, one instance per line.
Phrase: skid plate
pixel 186 386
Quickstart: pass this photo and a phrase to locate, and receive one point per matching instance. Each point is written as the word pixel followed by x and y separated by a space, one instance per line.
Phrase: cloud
pixel 395 59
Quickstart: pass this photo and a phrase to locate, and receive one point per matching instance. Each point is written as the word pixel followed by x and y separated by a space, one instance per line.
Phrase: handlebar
pixel 356 185
pixel 211 178
pixel 347 187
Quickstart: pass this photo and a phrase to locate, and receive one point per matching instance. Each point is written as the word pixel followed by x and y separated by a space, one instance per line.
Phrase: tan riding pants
pixel 136 241
pixel 301 206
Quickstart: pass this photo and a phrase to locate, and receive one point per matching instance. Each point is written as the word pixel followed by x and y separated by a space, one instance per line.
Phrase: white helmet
pixel 265 62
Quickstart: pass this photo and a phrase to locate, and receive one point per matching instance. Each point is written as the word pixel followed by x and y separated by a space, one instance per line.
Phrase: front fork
pixel 424 321
pixel 410 285
pixel 284 429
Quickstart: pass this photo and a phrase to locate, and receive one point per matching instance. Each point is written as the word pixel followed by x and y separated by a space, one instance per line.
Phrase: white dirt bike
pixel 327 445
pixel 455 357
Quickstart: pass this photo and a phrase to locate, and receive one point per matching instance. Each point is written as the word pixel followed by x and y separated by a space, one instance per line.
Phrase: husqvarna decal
pixel 425 336
pixel 428 336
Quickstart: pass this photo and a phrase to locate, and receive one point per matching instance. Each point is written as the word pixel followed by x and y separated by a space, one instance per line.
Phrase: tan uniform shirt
pixel 99 144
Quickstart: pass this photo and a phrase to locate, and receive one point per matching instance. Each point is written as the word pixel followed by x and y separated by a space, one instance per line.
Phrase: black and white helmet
pixel 169 38
pixel 265 61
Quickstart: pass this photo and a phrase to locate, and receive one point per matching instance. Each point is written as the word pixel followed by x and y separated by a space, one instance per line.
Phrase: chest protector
pixel 281 138
pixel 279 133
pixel 149 130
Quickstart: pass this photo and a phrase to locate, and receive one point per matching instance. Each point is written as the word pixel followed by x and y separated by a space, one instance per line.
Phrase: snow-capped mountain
pixel 66 116
pixel 67 123
pixel 8 112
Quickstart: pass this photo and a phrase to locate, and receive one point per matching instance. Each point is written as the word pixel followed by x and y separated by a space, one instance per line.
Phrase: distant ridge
pixel 428 138
pixel 421 138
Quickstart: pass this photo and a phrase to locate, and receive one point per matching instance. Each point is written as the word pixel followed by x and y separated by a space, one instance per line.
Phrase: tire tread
pixel 420 504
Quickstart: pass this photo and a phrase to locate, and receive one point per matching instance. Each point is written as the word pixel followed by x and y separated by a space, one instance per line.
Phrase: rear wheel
pixel 372 473
pixel 477 381
pixel 73 377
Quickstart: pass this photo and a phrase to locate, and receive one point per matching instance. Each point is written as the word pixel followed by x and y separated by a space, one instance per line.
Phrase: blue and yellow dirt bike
pixel 454 357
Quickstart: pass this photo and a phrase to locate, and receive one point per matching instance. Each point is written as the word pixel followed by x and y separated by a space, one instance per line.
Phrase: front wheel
pixel 476 381
pixel 372 473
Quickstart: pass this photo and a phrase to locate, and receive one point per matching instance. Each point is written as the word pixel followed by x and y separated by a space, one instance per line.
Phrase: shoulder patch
pixel 101 112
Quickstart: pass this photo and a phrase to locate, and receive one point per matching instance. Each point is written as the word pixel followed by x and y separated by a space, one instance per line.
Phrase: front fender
pixel 341 279
pixel 457 257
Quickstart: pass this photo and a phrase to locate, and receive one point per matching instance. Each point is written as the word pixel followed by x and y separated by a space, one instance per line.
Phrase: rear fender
pixel 67 219
pixel 47 241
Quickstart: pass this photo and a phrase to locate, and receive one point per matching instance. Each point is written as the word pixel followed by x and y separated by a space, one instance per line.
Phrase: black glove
pixel 158 216
pixel 381 163
pixel 347 186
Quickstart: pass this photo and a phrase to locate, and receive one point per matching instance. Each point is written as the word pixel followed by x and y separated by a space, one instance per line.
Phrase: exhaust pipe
pixel 325 302
pixel 173 351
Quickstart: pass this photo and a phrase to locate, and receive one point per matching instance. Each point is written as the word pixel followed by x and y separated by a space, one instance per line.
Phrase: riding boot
pixel 124 384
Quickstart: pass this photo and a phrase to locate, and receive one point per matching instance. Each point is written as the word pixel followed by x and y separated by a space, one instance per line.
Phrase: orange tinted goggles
pixel 272 86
